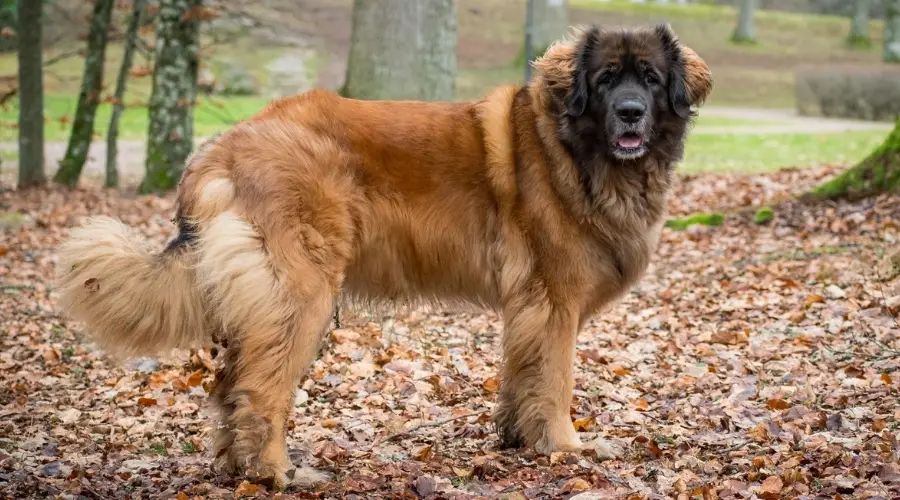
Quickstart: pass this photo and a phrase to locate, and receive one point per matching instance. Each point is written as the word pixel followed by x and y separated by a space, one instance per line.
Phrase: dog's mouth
pixel 630 145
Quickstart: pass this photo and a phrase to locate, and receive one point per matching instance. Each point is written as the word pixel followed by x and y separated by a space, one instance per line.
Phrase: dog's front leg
pixel 537 380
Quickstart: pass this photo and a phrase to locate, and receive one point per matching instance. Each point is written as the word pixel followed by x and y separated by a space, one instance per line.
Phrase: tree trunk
pixel 170 137
pixel 551 20
pixel 402 49
pixel 859 25
pixel 746 31
pixel 112 136
pixel 89 97
pixel 892 31
pixel 31 95
pixel 878 173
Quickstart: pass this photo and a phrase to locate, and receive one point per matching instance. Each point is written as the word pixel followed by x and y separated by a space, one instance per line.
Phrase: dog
pixel 543 202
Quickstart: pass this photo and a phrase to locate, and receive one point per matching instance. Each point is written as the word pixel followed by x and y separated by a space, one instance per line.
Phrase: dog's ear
pixel 580 92
pixel 689 79
pixel 698 77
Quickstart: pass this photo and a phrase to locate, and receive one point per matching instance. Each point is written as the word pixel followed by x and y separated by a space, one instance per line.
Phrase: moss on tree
pixel 878 173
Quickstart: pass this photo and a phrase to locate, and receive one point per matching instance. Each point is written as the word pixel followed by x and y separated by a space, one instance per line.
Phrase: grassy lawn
pixel 210 116
pixel 762 153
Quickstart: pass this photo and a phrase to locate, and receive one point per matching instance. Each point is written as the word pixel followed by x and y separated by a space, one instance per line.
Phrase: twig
pixel 424 425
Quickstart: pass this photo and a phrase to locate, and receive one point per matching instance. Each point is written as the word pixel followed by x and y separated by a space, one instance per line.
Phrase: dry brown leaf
pixel 147 401
pixel 777 404
pixel 491 385
pixel 576 485
pixel 247 489
pixel 424 453
pixel 813 299
pixel 584 424
pixel 771 488
pixel 195 379
pixel 329 423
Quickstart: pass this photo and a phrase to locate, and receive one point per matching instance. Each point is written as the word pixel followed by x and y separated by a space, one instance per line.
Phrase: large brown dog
pixel 544 202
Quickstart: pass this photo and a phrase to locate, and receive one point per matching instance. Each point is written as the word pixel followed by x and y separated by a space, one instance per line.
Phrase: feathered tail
pixel 133 302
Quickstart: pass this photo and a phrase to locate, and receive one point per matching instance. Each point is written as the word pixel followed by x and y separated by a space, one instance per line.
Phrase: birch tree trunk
pixel 31 95
pixel 746 30
pixel 170 137
pixel 859 25
pixel 112 135
pixel 402 49
pixel 551 21
pixel 892 31
pixel 89 97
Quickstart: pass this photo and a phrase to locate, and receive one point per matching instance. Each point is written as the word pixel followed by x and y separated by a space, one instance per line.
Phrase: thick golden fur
pixel 319 196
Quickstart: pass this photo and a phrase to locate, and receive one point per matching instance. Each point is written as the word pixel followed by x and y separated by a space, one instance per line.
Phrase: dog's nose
pixel 630 110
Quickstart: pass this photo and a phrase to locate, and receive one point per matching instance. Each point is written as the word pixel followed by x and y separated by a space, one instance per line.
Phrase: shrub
pixel 867 94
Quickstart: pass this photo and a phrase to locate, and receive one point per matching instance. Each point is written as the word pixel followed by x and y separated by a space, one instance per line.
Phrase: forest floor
pixel 752 361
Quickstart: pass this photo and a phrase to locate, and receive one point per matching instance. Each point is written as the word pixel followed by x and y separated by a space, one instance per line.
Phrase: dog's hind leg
pixel 275 303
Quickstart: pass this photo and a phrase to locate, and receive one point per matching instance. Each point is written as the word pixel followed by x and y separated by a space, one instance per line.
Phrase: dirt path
pixel 133 152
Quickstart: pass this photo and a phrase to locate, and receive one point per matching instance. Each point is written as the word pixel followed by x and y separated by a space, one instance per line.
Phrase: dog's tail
pixel 133 302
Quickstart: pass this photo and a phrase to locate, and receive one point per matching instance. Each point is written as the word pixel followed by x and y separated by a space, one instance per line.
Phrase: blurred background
pixel 126 87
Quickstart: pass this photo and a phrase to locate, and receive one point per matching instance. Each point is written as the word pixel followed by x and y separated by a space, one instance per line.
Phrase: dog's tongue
pixel 630 141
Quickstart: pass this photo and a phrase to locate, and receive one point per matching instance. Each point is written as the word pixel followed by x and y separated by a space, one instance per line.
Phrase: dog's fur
pixel 525 202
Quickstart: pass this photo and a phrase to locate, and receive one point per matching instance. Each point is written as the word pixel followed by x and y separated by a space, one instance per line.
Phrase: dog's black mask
pixel 628 97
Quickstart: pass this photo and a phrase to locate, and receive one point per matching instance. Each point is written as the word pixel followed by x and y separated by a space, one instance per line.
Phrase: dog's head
pixel 624 94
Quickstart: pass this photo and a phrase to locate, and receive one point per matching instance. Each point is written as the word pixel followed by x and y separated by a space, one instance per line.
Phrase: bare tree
pixel 112 135
pixel 171 134
pixel 91 86
pixel 892 31
pixel 402 49
pixel 551 20
pixel 859 25
pixel 746 30
pixel 31 96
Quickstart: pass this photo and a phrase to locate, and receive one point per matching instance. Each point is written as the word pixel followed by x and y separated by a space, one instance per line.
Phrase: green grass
pixel 764 153
pixel 210 116
pixel 727 121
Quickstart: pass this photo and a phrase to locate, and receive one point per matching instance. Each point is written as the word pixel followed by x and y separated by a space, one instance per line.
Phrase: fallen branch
pixel 424 425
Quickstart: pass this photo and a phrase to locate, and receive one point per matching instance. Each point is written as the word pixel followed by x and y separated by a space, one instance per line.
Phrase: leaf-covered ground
pixel 753 361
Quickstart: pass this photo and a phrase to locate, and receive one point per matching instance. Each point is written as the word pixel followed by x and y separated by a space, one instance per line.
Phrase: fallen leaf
pixel 583 424
pixel 424 453
pixel 69 416
pixel 92 285
pixel 491 385
pixel 195 379
pixel 771 488
pixel 778 404
pixel 813 299
pixel 576 485
pixel 425 485
pixel 246 488
pixel 147 402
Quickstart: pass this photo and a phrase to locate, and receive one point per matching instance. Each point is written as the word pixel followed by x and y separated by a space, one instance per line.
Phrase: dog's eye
pixel 651 78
